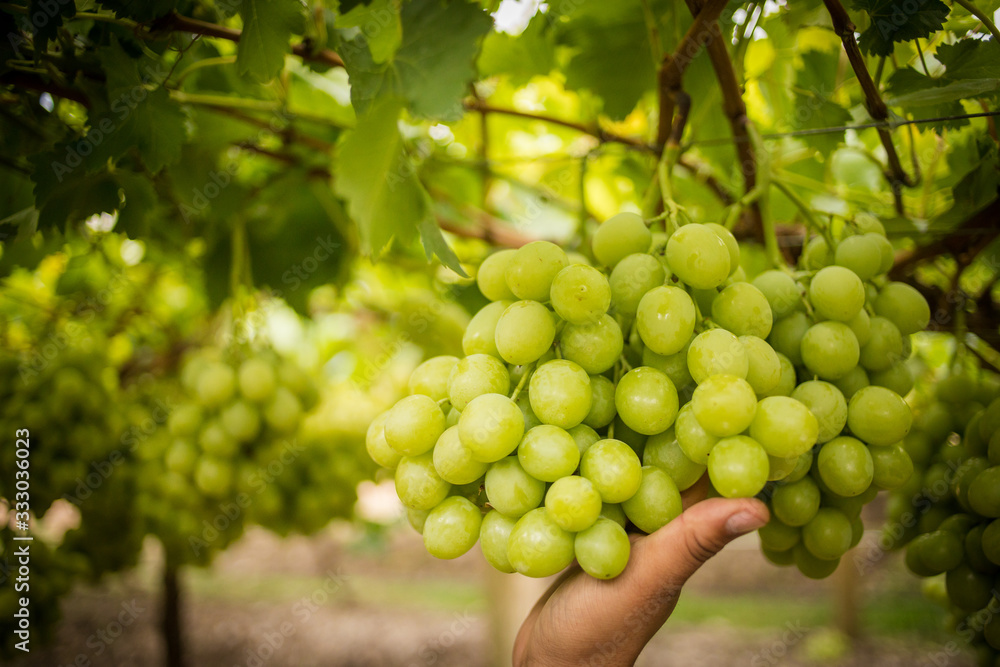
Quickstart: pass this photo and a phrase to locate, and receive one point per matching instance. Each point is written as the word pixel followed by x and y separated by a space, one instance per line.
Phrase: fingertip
pixel 748 517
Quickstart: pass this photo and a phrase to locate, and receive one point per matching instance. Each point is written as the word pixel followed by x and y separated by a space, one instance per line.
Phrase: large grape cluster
pixel 948 516
pixel 588 400
pixel 228 449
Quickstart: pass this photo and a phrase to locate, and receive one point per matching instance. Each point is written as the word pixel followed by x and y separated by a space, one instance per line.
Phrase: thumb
pixel 672 554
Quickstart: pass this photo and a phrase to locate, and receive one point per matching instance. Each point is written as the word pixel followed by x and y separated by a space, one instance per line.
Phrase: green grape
pixel 887 254
pixel 784 427
pixel 560 393
pixel 414 424
pixel 548 453
pixel 510 490
pixel 494 533
pixel 241 421
pixel 884 348
pixel 811 566
pixel 595 347
pixel 969 590
pixel 573 503
pixel 665 319
pixel 898 378
pixel 763 365
pixel 646 400
pixel 613 468
pixel 724 405
pixel 284 412
pixel 538 547
pixel 779 558
pixel 452 528
pixel 580 294
pixel 256 380
pixel 524 332
pixel 991 633
pixel 830 350
pixel 837 293
pixel 932 553
pixel 904 306
pixel 523 402
pixel 417 519
pixel 481 333
pixel 744 310
pixel 603 549
pixel 584 437
pixel 453 461
pixel 802 467
pixel 674 365
pixel 475 375
pixel 861 254
pixel 828 534
pixel 732 245
pixel 827 404
pixel 845 465
pixel 491 427
pixel 615 513
pixel 376 445
pixel 431 377
pixel 850 384
pixel 738 467
pixel 694 441
pixel 778 536
pixel 418 484
pixel 663 451
pixel 619 236
pixel 973 549
pixel 532 268
pixel 632 278
pixel 786 336
pixel 602 402
pixel 991 542
pixel 816 254
pixel 656 503
pixel 216 384
pixel 878 416
pixel 796 503
pixel 213 477
pixel 786 382
pixel 181 458
pixel 717 352
pixel 783 294
pixel 492 276
pixel 861 326
pixel 984 493
pixel 698 256
pixel 704 298
pixel 185 420
pixel 893 466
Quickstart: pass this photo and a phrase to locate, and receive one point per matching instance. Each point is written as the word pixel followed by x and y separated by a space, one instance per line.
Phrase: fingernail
pixel 743 523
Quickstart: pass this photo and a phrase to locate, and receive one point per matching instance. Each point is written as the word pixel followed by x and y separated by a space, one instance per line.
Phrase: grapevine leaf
pixel 813 106
pixel 77 199
pixel 384 197
pixel 435 244
pixel 140 10
pixel 267 27
pixel 522 57
pixel 892 21
pixel 46 19
pixel 434 63
pixel 137 117
pixel 950 92
pixel 380 24
pixel 140 200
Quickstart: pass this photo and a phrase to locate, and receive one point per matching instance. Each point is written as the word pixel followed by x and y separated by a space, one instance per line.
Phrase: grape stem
pixel 524 379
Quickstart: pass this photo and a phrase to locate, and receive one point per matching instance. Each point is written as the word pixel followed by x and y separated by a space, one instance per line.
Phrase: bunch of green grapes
pixel 948 517
pixel 229 446
pixel 69 407
pixel 589 399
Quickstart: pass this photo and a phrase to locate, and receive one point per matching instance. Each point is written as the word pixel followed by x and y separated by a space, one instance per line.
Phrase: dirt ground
pixel 340 600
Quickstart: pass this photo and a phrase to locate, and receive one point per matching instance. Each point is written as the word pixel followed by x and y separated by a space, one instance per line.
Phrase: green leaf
pixel 813 107
pixel 520 57
pixel 433 66
pixel 77 199
pixel 137 117
pixel 380 23
pixel 46 19
pixel 384 197
pixel 140 201
pixel 140 10
pixel 893 21
pixel 267 27
pixel 950 92
pixel 970 59
pixel 435 245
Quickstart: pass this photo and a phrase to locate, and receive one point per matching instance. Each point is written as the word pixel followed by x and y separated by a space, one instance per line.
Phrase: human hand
pixel 582 621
